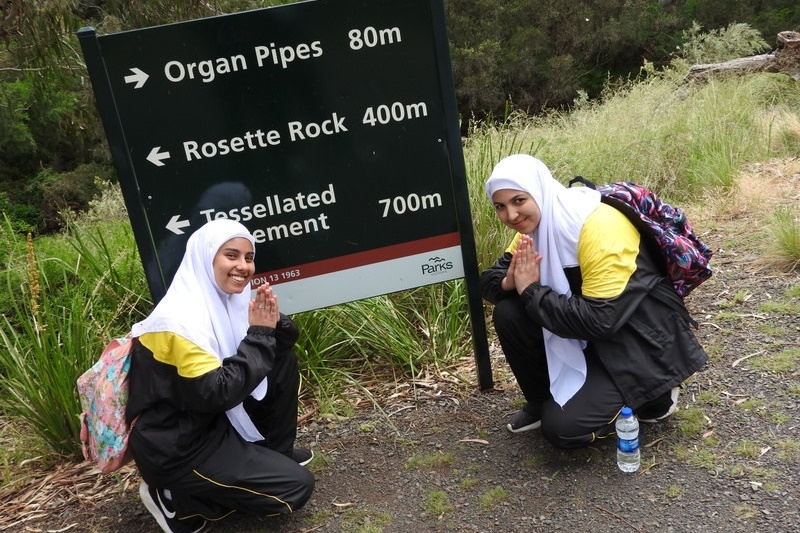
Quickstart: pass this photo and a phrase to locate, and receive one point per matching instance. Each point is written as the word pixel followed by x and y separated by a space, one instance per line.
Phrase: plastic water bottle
pixel 628 454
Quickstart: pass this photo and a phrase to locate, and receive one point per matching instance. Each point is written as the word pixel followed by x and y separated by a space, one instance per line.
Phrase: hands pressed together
pixel 524 267
pixel 263 309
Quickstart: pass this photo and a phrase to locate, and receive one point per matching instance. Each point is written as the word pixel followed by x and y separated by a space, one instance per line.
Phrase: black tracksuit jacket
pixel 180 396
pixel 642 336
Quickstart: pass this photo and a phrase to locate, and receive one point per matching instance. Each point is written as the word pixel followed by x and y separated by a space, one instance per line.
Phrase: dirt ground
pixel 435 455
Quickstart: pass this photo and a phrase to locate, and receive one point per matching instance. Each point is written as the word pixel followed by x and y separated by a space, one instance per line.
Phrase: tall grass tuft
pixel 407 333
pixel 442 318
pixel 784 228
pixel 487 144
pixel 46 343
pixel 64 298
pixel 682 140
pixel 109 259
pixel 326 360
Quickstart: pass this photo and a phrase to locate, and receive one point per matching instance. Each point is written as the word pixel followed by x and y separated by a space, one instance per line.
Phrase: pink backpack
pixel 103 392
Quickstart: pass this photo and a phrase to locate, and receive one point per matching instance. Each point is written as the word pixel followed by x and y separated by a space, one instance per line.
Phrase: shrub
pixel 69 191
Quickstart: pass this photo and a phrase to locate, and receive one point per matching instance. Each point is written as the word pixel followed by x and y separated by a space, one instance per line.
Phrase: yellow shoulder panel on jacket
pixel 171 349
pixel 514 243
pixel 607 249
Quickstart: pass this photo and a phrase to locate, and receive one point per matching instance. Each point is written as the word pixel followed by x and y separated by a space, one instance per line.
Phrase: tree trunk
pixel 788 53
pixel 785 59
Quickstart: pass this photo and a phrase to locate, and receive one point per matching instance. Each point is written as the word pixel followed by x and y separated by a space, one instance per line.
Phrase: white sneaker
pixel 523 421
pixel 169 523
pixel 673 396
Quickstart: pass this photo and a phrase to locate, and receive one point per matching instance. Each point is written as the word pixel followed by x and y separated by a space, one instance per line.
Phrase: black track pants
pixel 254 478
pixel 275 416
pixel 242 476
pixel 588 415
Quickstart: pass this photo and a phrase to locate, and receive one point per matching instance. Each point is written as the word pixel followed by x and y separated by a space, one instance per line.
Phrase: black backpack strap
pixel 581 179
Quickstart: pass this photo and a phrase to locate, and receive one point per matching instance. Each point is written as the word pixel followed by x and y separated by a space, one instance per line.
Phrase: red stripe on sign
pixel 335 264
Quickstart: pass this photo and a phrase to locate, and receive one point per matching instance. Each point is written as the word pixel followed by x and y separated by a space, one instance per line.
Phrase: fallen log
pixel 785 59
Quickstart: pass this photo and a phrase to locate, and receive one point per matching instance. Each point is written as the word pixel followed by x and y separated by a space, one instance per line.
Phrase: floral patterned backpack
pixel 103 392
pixel 685 257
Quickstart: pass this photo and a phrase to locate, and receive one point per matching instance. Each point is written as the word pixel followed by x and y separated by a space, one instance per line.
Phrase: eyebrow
pixel 520 195
pixel 236 250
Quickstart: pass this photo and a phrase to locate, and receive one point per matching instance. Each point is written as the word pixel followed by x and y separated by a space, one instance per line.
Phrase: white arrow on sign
pixel 175 225
pixel 139 77
pixel 155 156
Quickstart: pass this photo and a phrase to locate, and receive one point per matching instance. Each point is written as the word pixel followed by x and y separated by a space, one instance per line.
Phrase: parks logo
pixel 436 265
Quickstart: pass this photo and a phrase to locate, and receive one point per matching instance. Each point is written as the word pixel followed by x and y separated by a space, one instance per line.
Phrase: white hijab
pixel 564 210
pixel 195 308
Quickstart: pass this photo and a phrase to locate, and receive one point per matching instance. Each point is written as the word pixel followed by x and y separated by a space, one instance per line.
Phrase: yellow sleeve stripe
pixel 514 244
pixel 607 249
pixel 171 349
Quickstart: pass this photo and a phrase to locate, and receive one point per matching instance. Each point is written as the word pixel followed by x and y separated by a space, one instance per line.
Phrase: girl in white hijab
pixel 213 391
pixel 555 240
pixel 572 296
pixel 197 309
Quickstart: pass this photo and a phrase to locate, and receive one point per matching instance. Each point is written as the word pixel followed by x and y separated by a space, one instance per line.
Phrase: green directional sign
pixel 328 128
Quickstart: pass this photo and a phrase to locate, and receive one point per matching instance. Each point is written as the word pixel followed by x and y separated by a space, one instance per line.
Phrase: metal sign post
pixel 328 128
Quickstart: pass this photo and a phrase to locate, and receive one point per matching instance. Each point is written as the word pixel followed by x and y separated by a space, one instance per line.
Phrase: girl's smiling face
pixel 233 265
pixel 517 210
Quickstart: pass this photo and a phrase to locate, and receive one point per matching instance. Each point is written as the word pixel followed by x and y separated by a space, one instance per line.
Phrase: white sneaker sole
pixel 304 463
pixel 523 429
pixel 152 506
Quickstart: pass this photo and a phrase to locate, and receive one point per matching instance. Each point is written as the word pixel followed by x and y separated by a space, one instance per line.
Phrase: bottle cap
pixel 626 412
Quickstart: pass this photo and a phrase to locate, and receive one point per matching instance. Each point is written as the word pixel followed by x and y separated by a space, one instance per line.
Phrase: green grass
pixel 468 483
pixel 358 520
pixel 773 330
pixel 704 458
pixel 493 497
pixel 438 503
pixel 745 511
pixel 430 461
pixel 789 451
pixel 319 518
pixel 691 422
pixel 782 362
pixel 776 417
pixel 752 404
pixel 780 307
pixel 18 446
pixel 52 332
pixel 319 463
pixel 674 491
pixel 708 397
pixel 533 461
pixel 747 449
pixel 784 228
pixel 682 141
pixel 793 292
